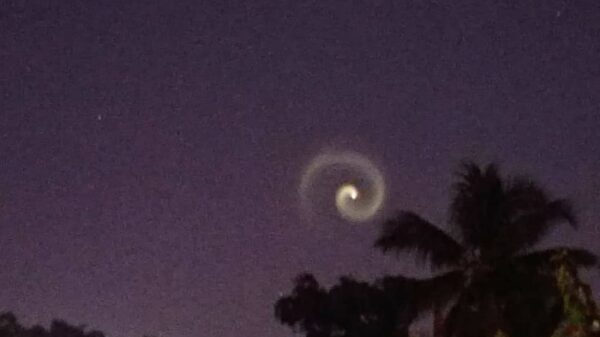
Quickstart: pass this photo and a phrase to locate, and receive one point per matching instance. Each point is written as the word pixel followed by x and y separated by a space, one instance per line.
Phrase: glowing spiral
pixel 359 185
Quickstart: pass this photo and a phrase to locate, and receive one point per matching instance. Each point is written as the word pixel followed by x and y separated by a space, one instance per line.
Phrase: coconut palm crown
pixel 490 277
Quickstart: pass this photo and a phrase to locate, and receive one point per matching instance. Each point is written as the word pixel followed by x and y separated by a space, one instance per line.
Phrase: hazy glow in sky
pixel 347 200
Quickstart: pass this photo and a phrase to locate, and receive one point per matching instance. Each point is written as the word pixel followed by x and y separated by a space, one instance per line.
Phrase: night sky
pixel 151 151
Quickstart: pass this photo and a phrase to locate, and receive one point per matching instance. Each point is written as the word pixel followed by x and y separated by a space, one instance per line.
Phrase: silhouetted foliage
pixel 492 279
pixel 10 327
pixel 349 309
pixel 581 316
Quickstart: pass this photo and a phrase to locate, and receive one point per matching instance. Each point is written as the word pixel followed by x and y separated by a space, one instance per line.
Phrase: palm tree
pixel 490 278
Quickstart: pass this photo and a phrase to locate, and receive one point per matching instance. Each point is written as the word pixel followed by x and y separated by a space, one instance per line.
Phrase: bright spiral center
pixel 344 192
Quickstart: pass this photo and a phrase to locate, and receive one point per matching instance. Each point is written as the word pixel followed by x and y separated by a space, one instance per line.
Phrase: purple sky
pixel 150 151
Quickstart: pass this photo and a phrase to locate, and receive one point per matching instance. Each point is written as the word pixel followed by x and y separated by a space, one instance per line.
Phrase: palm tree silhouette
pixel 490 278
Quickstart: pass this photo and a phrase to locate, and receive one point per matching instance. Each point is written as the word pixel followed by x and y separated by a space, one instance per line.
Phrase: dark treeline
pixel 10 327
pixel 489 279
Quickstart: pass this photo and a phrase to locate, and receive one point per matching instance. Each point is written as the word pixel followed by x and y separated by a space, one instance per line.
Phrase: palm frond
pixel 563 210
pixel 524 193
pixel 526 214
pixel 531 225
pixel 543 259
pixel 409 232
